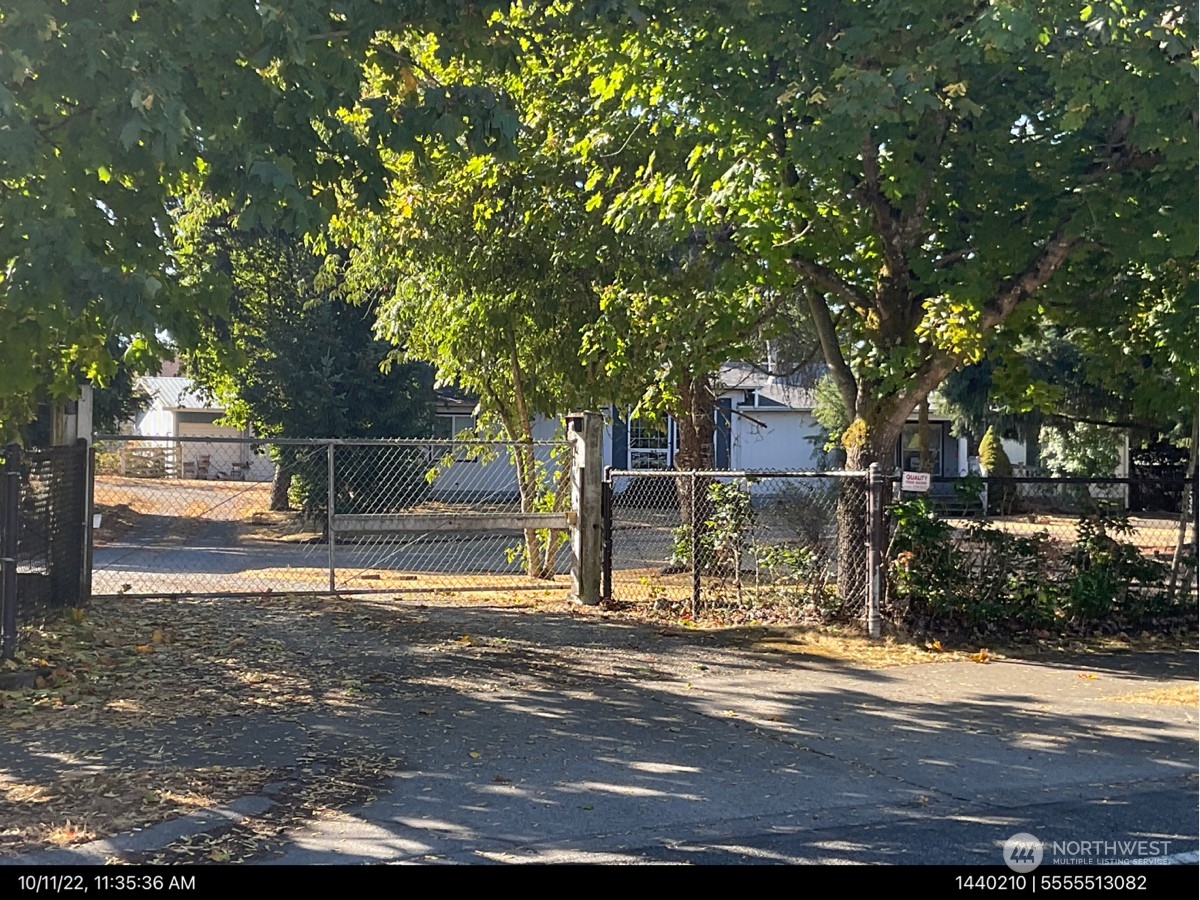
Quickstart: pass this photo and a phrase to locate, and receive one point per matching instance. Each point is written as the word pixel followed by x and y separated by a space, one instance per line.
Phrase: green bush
pixel 1109 574
pixel 724 532
pixel 994 461
pixel 992 458
pixel 981 577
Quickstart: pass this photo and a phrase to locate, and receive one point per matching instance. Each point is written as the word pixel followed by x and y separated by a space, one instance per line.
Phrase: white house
pixel 454 414
pixel 762 423
pixel 175 410
pixel 766 422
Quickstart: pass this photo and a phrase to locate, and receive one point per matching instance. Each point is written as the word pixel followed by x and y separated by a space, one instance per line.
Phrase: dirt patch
pixel 278 525
pixel 180 497
pixel 837 644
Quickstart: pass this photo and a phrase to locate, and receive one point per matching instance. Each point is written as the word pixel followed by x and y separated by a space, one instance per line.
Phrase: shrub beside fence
pixel 1017 554
pixel 1033 554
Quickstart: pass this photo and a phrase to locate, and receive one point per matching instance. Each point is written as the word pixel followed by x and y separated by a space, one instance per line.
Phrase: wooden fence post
pixel 585 430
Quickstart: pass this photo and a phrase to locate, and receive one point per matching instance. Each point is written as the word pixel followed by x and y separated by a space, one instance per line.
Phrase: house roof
pixel 174 392
pixel 449 398
pixel 793 391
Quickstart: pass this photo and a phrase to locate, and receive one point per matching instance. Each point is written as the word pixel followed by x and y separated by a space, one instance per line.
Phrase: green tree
pixel 1123 363
pixel 930 172
pixel 109 110
pixel 509 277
pixel 927 172
pixel 120 399
pixel 490 263
pixel 288 358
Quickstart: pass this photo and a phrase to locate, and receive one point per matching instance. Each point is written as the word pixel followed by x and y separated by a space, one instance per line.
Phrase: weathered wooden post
pixel 585 430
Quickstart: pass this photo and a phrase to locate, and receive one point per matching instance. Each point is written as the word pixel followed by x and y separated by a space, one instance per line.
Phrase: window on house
pixel 447 427
pixel 910 449
pixel 650 443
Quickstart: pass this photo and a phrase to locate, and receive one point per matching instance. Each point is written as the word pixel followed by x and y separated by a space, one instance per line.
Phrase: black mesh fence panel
pixel 43 533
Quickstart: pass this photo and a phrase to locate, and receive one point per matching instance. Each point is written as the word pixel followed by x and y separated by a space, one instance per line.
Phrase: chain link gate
pixel 221 516
pixel 745 539
pixel 448 516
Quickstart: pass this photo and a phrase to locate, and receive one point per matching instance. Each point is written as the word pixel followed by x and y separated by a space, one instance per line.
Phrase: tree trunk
pixel 864 445
pixel 527 487
pixel 923 433
pixel 1033 439
pixel 281 484
pixel 520 429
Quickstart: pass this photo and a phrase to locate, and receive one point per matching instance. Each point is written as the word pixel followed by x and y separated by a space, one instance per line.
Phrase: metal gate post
pixel 332 536
pixel 89 513
pixel 874 546
pixel 606 514
pixel 8 553
pixel 695 548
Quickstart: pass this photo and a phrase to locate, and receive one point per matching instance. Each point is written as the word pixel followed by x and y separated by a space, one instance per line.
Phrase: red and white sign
pixel 916 482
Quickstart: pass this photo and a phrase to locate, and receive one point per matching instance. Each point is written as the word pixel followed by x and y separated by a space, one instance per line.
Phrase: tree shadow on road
pixel 507 729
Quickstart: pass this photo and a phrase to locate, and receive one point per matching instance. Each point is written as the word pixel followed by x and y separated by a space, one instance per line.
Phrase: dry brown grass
pixel 1176 695
pixel 75 809
pixel 1151 535
pixel 843 644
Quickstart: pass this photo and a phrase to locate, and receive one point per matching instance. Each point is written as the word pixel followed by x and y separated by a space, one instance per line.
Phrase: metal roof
pixel 174 392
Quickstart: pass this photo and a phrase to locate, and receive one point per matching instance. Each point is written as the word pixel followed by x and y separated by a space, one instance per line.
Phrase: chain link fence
pixel 43 534
pixel 208 515
pixel 228 516
pixel 1034 553
pixel 739 539
pixel 451 515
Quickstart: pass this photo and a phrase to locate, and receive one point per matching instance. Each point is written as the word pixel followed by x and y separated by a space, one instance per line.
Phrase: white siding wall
pixel 497 476
pixel 261 467
pixel 784 443
pixel 220 458
pixel 154 422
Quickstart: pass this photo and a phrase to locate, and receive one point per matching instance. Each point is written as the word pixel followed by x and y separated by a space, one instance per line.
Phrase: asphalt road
pixel 531 736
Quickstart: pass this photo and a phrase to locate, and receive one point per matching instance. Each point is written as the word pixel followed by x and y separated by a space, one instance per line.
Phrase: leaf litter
pixel 124 714
pixel 105 719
